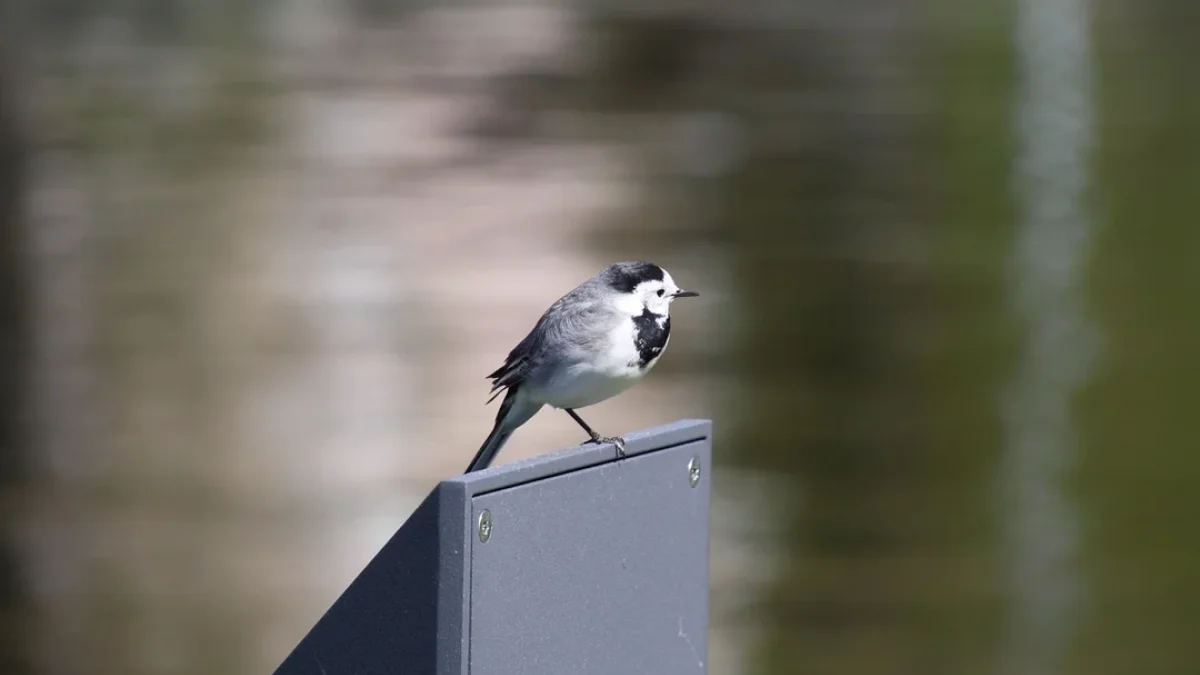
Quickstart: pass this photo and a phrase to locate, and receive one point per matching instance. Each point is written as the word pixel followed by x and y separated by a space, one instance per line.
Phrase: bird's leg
pixel 595 437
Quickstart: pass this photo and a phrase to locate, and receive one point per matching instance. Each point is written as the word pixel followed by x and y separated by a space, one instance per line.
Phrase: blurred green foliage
pixel 153 171
pixel 1140 468
pixel 873 379
pixel 16 348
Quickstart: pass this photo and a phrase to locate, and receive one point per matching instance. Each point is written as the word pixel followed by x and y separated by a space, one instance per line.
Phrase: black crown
pixel 625 276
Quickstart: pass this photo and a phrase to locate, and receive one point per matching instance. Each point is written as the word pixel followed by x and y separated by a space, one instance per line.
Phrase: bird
pixel 590 345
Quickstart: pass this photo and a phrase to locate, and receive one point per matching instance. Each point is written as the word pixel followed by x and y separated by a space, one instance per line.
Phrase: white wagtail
pixel 592 344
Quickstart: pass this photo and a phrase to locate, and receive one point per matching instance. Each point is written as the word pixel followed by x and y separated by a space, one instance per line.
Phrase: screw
pixel 694 471
pixel 485 526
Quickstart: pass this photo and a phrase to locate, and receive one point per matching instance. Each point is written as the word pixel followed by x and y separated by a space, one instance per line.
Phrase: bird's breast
pixel 612 364
pixel 651 332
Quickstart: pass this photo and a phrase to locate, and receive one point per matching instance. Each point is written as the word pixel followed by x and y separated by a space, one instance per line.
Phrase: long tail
pixel 514 411
pixel 490 448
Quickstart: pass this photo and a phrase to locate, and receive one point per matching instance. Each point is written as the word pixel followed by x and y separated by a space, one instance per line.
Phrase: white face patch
pixel 657 295
pixel 654 295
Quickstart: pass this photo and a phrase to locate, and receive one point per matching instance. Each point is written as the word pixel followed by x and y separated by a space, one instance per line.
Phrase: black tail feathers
pixel 497 438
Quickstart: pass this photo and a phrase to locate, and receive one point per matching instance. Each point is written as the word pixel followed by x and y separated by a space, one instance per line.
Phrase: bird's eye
pixel 660 292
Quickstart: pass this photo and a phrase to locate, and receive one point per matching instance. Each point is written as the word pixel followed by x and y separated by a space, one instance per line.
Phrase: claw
pixel 615 440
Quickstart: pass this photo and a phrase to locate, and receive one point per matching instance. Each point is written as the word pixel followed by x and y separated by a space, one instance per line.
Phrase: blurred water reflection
pixel 1054 135
pixel 264 254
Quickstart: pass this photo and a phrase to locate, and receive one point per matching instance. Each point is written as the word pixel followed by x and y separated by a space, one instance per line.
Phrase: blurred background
pixel 257 258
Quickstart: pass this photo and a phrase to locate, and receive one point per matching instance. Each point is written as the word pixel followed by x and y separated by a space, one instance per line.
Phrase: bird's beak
pixel 685 294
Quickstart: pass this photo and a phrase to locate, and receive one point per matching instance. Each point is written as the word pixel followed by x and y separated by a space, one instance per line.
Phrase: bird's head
pixel 643 285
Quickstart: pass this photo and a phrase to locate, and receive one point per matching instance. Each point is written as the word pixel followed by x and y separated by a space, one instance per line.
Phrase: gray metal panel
pixel 415 605
pixel 387 620
pixel 563 461
pixel 600 570
pixel 453 547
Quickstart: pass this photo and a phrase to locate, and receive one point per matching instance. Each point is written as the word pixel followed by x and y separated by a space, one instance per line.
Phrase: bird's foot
pixel 615 440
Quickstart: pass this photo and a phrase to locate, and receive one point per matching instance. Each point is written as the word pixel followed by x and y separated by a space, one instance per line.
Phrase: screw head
pixel 694 472
pixel 485 526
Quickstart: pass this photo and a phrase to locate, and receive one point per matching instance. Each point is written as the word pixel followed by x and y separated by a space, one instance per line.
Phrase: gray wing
pixel 573 322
